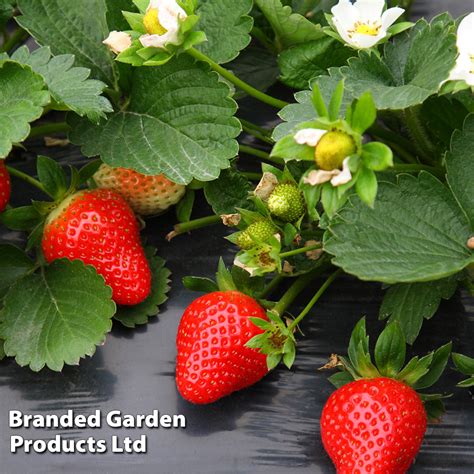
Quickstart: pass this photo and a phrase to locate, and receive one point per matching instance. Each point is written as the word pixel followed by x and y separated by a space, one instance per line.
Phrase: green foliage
pixel 290 28
pixel 410 303
pixel 43 324
pixel 14 264
pixel 412 68
pixel 415 232
pixel 76 28
pixel 183 128
pixel 22 97
pixel 460 169
pixel 132 316
pixel 301 63
pixel 69 86
pixel 465 365
pixel 227 26
pixel 229 192
pixel 6 11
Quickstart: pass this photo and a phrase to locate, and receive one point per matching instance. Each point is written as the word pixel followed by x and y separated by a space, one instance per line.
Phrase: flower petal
pixel 462 70
pixel 316 177
pixel 309 136
pixel 118 41
pixel 465 39
pixel 370 10
pixel 367 41
pixel 345 15
pixel 390 16
pixel 344 176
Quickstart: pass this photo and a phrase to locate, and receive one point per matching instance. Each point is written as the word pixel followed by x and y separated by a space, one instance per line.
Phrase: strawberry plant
pixel 367 172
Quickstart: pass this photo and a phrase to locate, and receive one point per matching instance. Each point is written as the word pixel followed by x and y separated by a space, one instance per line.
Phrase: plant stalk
pixel 260 154
pixel 409 168
pixel 419 134
pixel 226 74
pixel 26 177
pixel 185 227
pixel 315 299
pixel 49 128
pixel 18 36
pixel 257 134
pixel 309 248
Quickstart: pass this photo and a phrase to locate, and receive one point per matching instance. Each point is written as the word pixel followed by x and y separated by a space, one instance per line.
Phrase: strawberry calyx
pixel 389 362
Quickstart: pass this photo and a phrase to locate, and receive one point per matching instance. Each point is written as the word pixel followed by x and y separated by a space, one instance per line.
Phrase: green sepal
pixel 204 285
pixel 88 171
pixel 390 350
pixel 135 20
pixel 436 369
pixel 465 365
pixel 376 156
pixel 362 113
pixel 224 279
pixel 21 218
pixel 339 379
pixel 52 177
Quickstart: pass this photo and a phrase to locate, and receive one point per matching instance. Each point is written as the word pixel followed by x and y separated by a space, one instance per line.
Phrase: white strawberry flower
pixel 337 177
pixel 464 68
pixel 364 24
pixel 118 41
pixel 162 22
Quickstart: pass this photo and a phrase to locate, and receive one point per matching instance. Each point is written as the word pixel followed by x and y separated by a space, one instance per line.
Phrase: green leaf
pixel 204 285
pixel 411 303
pixel 69 86
pixel 412 69
pixel 359 339
pixel 22 97
pixel 438 364
pixel 228 192
pixel 227 25
pixel 466 383
pixel 363 113
pixel 463 363
pixel 366 186
pixel 301 63
pixel 303 110
pixel 45 321
pixel 52 176
pixel 460 169
pixel 76 28
pixel 415 232
pixel 340 379
pixel 6 11
pixel 377 156
pixel 89 170
pixel 20 218
pixel 290 28
pixel 179 122
pixel 14 264
pixel 132 316
pixel 434 410
pixel 390 350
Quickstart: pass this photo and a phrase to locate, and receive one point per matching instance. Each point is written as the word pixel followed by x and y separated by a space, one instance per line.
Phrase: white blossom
pixel 464 68
pixel 164 15
pixel 118 41
pixel 336 177
pixel 364 24
pixel 309 136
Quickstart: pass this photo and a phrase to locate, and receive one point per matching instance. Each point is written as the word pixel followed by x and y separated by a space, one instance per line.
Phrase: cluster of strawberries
pixel 369 425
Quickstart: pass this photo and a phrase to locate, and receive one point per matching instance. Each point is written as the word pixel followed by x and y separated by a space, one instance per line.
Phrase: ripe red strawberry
pixel 5 186
pixel 213 360
pixel 146 195
pixel 98 227
pixel 373 426
pixel 376 423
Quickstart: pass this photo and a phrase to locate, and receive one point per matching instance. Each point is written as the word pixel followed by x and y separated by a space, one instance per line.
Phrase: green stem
pixel 309 248
pixel 439 172
pixel 26 177
pixel 257 135
pixel 315 299
pixel 15 39
pixel 293 291
pixel 259 35
pixel 49 128
pixel 272 285
pixel 260 154
pixel 399 144
pixel 256 127
pixel 184 227
pixel 277 103
pixel 419 134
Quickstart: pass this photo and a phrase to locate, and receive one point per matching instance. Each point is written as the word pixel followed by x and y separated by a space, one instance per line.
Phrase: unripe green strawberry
pixel 333 148
pixel 259 231
pixel 146 195
pixel 286 202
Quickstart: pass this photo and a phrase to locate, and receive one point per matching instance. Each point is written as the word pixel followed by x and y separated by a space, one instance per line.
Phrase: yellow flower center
pixel 152 23
pixel 367 28
pixel 332 149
